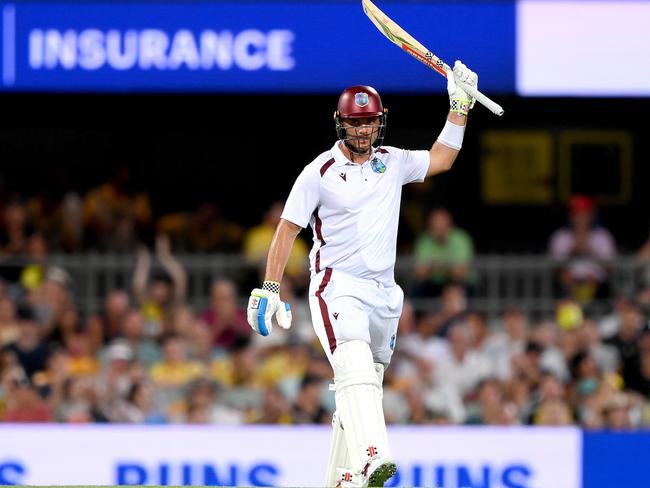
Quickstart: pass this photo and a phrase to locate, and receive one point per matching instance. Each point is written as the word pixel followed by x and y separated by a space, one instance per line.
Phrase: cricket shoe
pixel 378 470
pixel 346 479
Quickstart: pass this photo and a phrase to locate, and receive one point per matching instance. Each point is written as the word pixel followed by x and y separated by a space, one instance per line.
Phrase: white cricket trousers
pixel 346 308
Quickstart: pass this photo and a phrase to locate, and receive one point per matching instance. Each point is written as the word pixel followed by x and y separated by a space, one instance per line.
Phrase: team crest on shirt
pixel 361 99
pixel 377 166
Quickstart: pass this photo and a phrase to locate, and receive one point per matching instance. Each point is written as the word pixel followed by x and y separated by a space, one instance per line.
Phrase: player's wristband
pixel 452 135
pixel 272 286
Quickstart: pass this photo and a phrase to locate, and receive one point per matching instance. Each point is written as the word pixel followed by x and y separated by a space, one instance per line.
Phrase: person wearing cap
pixel 584 251
pixel 350 195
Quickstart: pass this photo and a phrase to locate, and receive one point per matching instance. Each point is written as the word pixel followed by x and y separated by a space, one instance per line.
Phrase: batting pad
pixel 359 403
pixel 339 459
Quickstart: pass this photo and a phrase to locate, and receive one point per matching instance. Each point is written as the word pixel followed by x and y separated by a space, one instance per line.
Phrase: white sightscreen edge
pixel 583 48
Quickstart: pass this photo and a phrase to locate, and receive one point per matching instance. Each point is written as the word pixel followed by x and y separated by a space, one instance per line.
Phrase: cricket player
pixel 350 196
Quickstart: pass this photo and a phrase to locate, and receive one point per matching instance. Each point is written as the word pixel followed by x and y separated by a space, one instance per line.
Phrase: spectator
pixel 584 251
pixel 641 383
pixel 488 409
pixel 501 347
pixel 72 232
pixel 199 340
pixel 204 230
pixel 175 369
pixel 114 214
pixel 526 365
pixel 616 413
pixel 275 408
pixel 51 300
pixel 15 231
pixel 463 367
pixel 443 255
pixel 139 407
pixel 29 349
pixel 226 319
pixel 206 406
pixel 26 405
pixel 208 231
pixel 553 412
pixel 116 377
pixel 145 350
pixel 161 294
pixel 81 359
pixel 605 355
pixel 107 326
pixel 9 328
pixel 81 402
pixel 308 409
pixel 453 309
pixel 258 240
pixel 626 342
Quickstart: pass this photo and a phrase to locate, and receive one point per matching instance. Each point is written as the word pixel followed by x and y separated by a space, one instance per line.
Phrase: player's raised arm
pixel 265 302
pixel 444 151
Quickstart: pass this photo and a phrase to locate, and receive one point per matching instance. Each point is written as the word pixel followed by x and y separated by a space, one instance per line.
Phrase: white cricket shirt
pixel 353 209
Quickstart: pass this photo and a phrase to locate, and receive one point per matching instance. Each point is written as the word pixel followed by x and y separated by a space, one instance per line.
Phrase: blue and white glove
pixel 263 304
pixel 459 100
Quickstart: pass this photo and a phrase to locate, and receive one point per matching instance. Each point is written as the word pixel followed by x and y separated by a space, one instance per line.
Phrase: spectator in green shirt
pixel 443 255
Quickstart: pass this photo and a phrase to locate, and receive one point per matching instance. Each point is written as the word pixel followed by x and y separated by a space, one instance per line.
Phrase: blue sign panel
pixel 247 47
pixel 616 459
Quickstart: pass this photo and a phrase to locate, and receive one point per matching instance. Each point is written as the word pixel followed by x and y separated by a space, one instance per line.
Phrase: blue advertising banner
pixel 616 459
pixel 247 47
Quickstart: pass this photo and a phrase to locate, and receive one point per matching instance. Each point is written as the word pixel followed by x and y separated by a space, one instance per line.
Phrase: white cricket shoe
pixel 379 470
pixel 347 479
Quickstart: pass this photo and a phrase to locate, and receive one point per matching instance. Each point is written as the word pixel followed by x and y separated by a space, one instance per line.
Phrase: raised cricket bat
pixel 403 39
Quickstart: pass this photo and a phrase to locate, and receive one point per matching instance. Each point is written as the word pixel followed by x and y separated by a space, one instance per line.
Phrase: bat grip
pixel 491 105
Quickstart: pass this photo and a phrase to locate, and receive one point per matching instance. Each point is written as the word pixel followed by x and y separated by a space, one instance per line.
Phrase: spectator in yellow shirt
pixel 258 240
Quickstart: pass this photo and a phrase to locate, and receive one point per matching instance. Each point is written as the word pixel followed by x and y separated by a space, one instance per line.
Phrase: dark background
pixel 244 151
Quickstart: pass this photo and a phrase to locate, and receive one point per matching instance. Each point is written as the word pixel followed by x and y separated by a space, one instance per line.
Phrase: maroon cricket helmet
pixel 357 102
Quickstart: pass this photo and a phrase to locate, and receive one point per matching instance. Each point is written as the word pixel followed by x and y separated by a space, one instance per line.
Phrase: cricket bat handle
pixel 491 105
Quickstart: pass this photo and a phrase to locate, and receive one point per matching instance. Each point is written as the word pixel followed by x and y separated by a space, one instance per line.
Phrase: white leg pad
pixel 359 404
pixel 339 461
pixel 379 370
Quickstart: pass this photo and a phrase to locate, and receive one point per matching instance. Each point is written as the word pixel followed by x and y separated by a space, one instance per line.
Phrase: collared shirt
pixel 353 209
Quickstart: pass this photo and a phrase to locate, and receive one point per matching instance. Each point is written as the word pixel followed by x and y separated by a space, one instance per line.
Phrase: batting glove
pixel 459 100
pixel 263 304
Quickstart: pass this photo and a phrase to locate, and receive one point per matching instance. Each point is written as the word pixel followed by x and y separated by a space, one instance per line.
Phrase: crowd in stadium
pixel 148 357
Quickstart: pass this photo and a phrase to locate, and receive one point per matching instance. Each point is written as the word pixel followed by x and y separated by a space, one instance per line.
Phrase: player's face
pixel 362 132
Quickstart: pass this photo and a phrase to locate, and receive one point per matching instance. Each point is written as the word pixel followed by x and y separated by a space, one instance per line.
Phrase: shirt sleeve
pixel 415 165
pixel 303 198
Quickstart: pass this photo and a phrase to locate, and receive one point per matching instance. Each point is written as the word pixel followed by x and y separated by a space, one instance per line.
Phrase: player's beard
pixel 352 143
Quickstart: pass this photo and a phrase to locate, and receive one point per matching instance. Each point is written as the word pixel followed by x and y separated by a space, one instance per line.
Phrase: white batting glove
pixel 459 100
pixel 263 304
